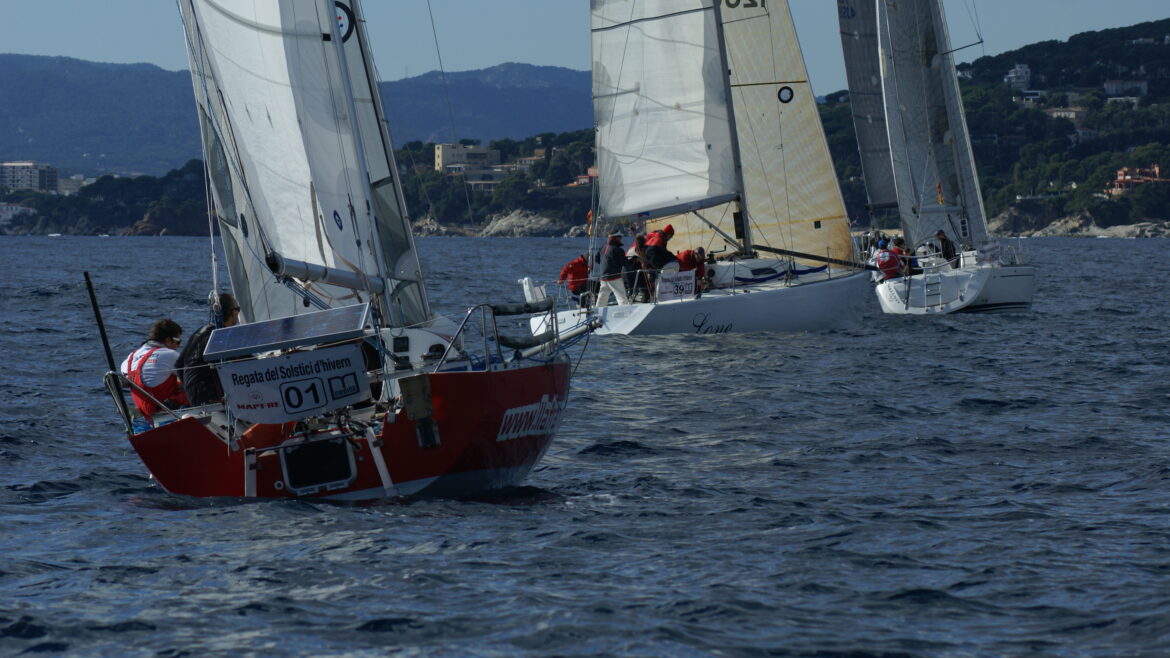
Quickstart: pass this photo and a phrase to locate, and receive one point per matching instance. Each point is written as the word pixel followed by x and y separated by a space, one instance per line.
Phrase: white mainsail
pixel 301 166
pixel 934 169
pixel 659 101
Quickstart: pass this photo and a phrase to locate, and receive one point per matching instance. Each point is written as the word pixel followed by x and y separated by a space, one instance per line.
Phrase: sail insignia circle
pixel 785 94
pixel 337 220
pixel 345 21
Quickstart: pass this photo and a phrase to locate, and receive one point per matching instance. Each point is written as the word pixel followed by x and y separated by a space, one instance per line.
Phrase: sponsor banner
pixel 296 385
pixel 676 285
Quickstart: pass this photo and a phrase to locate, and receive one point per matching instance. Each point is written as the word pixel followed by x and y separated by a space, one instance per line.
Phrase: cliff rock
pixel 522 223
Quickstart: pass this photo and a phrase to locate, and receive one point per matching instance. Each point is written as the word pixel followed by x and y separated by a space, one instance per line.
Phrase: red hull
pixel 491 429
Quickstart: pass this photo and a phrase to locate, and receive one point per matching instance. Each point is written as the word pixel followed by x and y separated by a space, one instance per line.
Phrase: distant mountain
pixel 86 117
pixel 512 101
pixel 93 118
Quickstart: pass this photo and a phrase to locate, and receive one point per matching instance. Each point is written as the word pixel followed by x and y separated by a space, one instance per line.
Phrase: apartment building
pixel 26 175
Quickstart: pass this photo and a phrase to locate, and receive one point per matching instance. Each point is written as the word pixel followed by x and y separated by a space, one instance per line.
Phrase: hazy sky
pixel 476 34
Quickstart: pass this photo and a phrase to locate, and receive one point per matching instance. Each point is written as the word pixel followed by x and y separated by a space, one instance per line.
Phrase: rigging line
pixel 454 138
pixel 920 190
pixel 392 109
pixel 973 16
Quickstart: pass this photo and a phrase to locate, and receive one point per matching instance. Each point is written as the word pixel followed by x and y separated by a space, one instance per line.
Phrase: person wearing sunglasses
pixel 199 377
pixel 152 369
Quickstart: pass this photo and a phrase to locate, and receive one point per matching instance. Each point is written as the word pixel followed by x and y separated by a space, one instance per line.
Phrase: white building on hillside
pixel 26 175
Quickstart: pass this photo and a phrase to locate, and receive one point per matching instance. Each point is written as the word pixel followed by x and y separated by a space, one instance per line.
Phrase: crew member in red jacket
pixel 692 259
pixel 152 368
pixel 575 275
pixel 889 261
pixel 657 253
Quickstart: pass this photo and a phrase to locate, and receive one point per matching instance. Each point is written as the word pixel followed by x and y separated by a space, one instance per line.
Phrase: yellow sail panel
pixel 793 199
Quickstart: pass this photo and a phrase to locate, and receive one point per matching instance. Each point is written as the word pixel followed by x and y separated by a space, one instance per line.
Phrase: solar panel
pixel 328 326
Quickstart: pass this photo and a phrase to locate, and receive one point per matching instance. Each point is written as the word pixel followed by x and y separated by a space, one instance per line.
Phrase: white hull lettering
pixel 532 419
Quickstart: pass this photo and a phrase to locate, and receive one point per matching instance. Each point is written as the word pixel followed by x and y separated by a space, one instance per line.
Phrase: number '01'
pixel 746 4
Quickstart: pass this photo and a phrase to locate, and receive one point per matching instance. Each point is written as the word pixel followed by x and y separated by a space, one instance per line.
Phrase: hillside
pixel 1040 171
pixel 90 118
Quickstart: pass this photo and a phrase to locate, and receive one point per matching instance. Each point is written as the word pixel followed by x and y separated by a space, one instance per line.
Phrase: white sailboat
pixel 917 159
pixel 706 121
pixel 340 383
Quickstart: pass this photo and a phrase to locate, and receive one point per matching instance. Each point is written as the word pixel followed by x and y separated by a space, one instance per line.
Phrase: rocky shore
pixel 517 224
pixel 1015 224
pixel 526 224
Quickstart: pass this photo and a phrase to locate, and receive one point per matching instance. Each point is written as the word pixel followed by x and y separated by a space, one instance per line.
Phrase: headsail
pixel 793 199
pixel 934 169
pixel 301 167
pixel 659 101
pixel 859 41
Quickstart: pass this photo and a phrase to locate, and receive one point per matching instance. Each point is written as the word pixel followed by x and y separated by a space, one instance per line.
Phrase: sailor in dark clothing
pixel 947 247
pixel 634 274
pixel 613 263
pixel 199 379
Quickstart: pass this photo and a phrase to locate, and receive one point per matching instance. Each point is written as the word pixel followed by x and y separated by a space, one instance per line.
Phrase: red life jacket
pixel 889 262
pixel 656 239
pixel 689 260
pixel 169 389
pixel 575 274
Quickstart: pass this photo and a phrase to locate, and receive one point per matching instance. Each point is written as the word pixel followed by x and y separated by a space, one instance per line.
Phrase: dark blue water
pixel 954 486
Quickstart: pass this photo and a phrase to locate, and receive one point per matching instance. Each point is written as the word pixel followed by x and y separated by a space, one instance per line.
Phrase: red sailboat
pixel 340 382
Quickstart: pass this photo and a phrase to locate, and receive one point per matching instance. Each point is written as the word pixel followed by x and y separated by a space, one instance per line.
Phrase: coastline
pixel 524 224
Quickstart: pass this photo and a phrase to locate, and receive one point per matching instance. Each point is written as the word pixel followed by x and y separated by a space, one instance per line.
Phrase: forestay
pixel 301 166
pixel 934 170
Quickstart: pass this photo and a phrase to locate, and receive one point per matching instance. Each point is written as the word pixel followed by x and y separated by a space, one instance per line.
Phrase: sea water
pixel 958 485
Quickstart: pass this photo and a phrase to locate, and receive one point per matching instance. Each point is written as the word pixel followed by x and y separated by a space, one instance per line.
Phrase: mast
pixel 742 220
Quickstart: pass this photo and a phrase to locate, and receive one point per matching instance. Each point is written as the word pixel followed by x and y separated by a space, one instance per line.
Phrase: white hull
pixel 819 305
pixel 968 289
